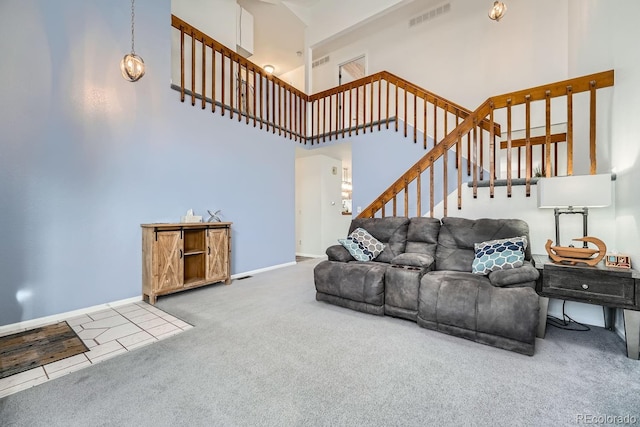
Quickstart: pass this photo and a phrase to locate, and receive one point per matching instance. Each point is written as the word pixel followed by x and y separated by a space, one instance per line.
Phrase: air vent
pixel 436 12
pixel 320 61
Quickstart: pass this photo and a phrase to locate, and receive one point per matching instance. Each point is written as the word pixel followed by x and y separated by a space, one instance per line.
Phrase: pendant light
pixel 132 65
pixel 497 11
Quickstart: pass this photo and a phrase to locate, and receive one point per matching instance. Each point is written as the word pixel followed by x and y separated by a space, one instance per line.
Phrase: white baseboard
pixel 311 255
pixel 41 321
pixel 262 270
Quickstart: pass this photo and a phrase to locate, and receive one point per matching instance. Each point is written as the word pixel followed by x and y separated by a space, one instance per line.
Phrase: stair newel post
pixel 459 162
pixel 569 130
pixel 509 147
pixel 181 64
pixel 528 156
pixel 547 141
pixel 492 151
pixel 475 158
pixel 592 126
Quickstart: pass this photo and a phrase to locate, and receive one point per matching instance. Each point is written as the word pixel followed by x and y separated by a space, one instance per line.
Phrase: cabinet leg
pixel 632 333
pixel 609 317
pixel 542 321
pixel 152 299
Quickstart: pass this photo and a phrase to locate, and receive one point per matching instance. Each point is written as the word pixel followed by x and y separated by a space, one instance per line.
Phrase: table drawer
pixel 592 285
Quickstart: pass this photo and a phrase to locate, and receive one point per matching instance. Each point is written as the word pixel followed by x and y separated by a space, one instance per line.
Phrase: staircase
pixel 454 138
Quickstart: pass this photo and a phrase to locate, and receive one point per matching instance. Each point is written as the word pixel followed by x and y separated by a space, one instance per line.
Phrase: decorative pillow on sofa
pixel 362 245
pixel 501 254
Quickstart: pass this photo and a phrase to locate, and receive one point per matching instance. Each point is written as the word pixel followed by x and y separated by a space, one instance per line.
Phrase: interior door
pixel 349 71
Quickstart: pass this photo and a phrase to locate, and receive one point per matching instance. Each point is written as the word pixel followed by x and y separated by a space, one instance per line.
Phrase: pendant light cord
pixel 133 15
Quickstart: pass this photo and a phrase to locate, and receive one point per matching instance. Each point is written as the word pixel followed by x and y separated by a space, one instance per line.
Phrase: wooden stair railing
pixel 213 73
pixel 504 105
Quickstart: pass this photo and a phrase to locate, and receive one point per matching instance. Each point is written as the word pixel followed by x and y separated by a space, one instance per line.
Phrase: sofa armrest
pixel 339 253
pixel 413 260
pixel 525 274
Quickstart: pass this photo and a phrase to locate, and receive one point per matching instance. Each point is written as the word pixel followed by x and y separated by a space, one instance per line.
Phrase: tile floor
pixel 106 333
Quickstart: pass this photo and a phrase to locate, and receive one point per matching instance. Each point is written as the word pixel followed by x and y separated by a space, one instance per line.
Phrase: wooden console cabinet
pixel 182 256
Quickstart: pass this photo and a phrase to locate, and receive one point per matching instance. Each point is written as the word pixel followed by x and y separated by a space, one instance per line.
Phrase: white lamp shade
pixel 578 191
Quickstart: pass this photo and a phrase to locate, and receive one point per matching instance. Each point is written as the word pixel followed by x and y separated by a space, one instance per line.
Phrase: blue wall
pixel 86 157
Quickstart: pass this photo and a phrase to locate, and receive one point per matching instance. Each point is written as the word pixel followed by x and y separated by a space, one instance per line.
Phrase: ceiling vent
pixel 436 12
pixel 320 61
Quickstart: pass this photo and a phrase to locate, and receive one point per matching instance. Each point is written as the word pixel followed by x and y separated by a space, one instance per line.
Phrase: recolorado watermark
pixel 606 419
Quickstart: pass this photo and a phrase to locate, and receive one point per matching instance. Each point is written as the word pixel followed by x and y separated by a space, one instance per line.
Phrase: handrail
pixel 568 88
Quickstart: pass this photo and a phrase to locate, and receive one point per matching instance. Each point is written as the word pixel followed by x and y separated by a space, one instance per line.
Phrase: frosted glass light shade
pixel 132 67
pixel 497 11
pixel 578 191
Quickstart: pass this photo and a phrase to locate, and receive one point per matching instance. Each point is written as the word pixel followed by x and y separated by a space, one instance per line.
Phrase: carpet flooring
pixel 263 352
pixel 26 350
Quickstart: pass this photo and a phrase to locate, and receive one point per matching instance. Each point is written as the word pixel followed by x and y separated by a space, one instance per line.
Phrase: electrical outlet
pixel 359 209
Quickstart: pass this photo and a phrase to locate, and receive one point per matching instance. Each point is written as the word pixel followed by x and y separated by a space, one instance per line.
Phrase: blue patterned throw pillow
pixel 362 245
pixel 501 254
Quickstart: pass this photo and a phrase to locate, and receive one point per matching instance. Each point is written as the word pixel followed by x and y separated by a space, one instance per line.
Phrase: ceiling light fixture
pixel 269 69
pixel 132 66
pixel 497 11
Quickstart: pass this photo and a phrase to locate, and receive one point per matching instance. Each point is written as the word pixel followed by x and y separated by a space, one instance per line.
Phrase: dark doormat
pixel 29 349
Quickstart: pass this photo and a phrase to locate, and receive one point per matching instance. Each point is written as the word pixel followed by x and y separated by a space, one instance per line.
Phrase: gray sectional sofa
pixel 424 274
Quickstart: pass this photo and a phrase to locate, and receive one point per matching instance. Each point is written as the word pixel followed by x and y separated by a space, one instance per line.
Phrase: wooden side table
pixel 606 286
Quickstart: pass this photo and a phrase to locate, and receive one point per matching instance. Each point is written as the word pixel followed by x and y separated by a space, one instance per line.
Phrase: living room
pixel 80 139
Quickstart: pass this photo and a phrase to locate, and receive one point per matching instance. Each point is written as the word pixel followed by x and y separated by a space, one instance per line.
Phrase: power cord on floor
pixel 565 322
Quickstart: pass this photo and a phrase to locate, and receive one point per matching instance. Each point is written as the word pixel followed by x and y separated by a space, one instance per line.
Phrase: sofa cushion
pixel 422 235
pixel 339 253
pixel 455 251
pixel 521 276
pixel 413 260
pixel 500 254
pixel 362 245
pixel 392 231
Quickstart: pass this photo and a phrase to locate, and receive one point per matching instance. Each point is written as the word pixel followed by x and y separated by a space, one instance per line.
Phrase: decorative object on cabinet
pixel 214 216
pixel 618 260
pixel 190 217
pixel 573 255
pixel 177 257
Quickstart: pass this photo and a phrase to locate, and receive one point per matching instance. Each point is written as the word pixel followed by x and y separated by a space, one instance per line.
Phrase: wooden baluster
pixel 469 154
pixel 231 102
pixel 387 101
pixel 312 121
pixel 371 108
pixel 419 193
pixel 280 121
pixel 318 121
pixel 519 163
pixel 290 114
pixel 246 93
pixel 569 130
pixel 475 159
pixel 339 107
pixel 265 79
pixel 273 104
pixel 383 209
pixel 445 182
pixel 481 149
pixel 406 198
pixel 255 112
pixel 458 143
pixel 509 147
pixel 213 79
pixel 527 139
pixel 405 111
pixel 492 151
pixel 445 111
pixel 435 122
pixel 379 101
pixel 297 108
pixel 459 161
pixel 330 116
pixel 547 143
pixel 364 108
pixel 395 206
pixel 343 108
pixel 555 159
pixel 415 117
pixel 181 64
pixel 431 187
pixel 204 75
pixel 324 119
pixel 239 94
pixel 424 118
pixel 397 105
pixel 350 110
pixel 357 108
pixel 592 127
pixel 222 104
pixel 193 70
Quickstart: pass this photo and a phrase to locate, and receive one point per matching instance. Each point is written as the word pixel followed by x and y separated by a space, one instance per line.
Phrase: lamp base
pixel 571 255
